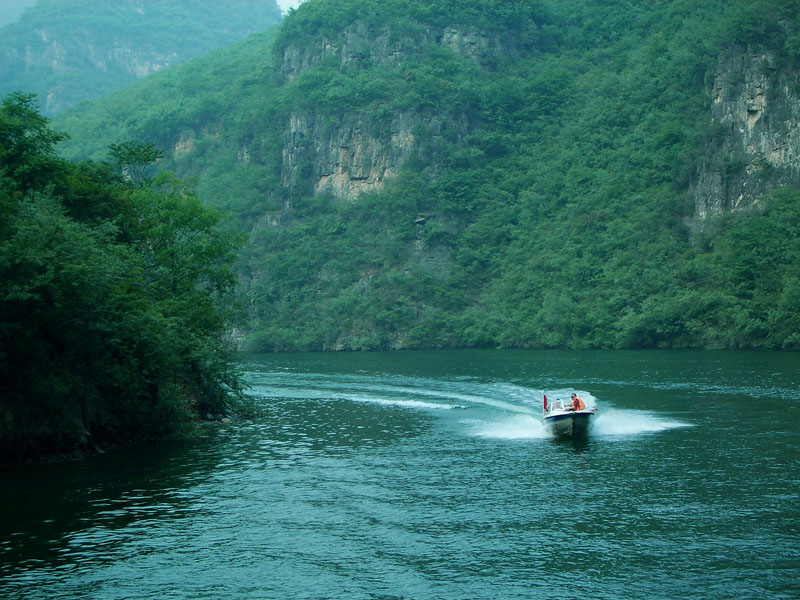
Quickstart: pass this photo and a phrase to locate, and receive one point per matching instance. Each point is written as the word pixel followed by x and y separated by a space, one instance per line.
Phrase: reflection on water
pixel 62 514
pixel 579 444
pixel 429 475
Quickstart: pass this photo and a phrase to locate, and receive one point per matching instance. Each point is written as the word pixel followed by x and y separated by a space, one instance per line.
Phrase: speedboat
pixel 562 419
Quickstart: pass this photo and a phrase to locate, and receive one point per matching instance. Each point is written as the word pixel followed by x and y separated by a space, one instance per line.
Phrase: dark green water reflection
pixel 428 475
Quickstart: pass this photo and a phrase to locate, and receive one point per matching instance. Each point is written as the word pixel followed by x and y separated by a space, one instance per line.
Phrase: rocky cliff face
pixel 361 45
pixel 755 146
pixel 358 152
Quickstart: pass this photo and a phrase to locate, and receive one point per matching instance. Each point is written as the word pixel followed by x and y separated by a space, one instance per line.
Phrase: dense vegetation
pixel 559 220
pixel 67 51
pixel 111 296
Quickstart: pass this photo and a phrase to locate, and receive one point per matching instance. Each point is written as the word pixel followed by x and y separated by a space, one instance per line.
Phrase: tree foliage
pixel 111 294
pixel 133 160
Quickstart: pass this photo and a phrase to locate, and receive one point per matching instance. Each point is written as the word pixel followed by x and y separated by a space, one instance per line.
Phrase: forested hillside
pixel 113 296
pixel 487 173
pixel 67 51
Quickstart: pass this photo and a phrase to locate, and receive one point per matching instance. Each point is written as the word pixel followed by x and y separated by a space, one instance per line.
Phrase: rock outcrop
pixel 755 145
pixel 361 45
pixel 356 152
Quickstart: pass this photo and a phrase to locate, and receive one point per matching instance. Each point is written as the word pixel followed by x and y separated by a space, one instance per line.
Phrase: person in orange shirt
pixel 577 403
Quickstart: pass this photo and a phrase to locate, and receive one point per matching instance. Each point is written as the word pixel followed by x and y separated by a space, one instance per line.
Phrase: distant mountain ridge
pixel 68 51
pixel 11 10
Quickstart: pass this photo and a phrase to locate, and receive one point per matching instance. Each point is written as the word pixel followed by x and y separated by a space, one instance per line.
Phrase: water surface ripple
pixel 428 475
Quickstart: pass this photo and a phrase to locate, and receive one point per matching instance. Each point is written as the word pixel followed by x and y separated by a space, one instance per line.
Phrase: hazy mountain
pixel 11 10
pixel 67 51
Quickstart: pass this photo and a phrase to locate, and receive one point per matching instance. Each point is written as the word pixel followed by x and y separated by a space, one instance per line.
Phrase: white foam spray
pixel 619 422
pixel 518 427
pixel 610 422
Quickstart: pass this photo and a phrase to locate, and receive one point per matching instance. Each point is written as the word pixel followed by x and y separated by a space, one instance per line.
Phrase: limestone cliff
pixel 357 152
pixel 755 145
pixel 362 45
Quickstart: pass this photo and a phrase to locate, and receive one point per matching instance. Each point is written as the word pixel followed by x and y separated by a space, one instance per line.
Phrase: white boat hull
pixel 569 423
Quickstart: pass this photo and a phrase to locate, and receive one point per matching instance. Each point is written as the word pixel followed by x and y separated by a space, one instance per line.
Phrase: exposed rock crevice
pixel 357 152
pixel 360 45
pixel 755 145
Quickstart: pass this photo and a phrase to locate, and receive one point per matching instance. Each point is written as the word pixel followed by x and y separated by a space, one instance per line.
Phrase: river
pixel 427 475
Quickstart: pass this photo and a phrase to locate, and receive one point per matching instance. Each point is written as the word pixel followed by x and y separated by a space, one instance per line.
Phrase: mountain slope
pixel 481 173
pixel 11 10
pixel 67 51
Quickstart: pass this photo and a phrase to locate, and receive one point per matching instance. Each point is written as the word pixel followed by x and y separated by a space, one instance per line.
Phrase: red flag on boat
pixel 544 401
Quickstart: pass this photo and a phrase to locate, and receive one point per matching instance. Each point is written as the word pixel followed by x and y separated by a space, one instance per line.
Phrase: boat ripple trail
pixel 494 410
pixel 618 422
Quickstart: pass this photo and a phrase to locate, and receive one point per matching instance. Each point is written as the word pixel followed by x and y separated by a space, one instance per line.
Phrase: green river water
pixel 427 475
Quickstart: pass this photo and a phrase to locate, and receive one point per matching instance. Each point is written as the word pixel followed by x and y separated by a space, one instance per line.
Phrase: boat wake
pixel 419 404
pixel 364 390
pixel 518 427
pixel 610 423
pixel 496 410
pixel 619 422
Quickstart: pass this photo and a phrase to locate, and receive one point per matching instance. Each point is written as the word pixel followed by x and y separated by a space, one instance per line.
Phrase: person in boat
pixel 577 403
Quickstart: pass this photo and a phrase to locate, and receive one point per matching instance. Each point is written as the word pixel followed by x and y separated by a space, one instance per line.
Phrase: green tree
pixel 28 157
pixel 134 160
pixel 112 300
